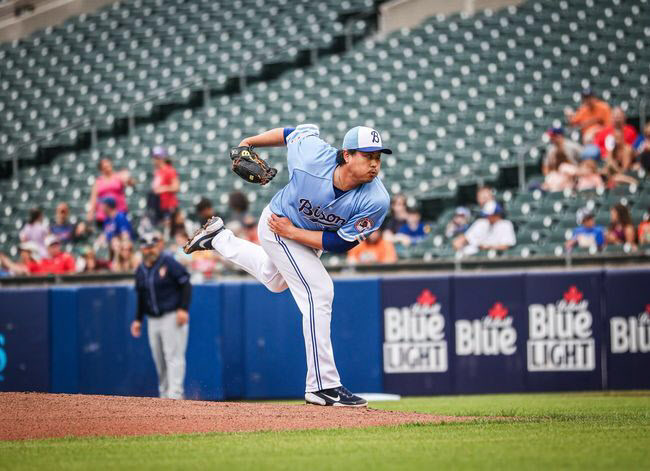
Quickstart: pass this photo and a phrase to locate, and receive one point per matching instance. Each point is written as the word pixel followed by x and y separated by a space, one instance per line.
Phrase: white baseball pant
pixel 280 263
pixel 168 342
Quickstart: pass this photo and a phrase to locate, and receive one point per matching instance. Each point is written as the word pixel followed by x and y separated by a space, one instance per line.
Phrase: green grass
pixel 588 430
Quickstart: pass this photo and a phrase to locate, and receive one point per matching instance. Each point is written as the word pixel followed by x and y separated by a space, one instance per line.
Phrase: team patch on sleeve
pixel 363 224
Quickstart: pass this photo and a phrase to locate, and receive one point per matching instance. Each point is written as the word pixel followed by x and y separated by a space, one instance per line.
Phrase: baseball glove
pixel 248 165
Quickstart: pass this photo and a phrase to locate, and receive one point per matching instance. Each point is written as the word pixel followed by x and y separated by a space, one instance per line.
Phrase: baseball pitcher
pixel 333 200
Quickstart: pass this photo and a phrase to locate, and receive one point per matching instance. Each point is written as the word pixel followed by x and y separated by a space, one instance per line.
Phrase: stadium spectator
pixel 109 184
pixel 237 206
pixel 57 262
pixel 178 223
pixel 620 229
pixel 397 216
pixel 413 230
pixel 35 231
pixel 375 249
pixel 560 145
pixel 89 263
pixel 592 116
pixel 165 184
pixel 644 229
pixel 27 263
pixel 124 258
pixel 587 234
pixel 490 232
pixel 642 147
pixel 605 138
pixel 560 174
pixel 204 211
pixel 176 249
pixel 240 221
pixel 589 177
pixel 484 194
pixel 621 154
pixel 116 226
pixel 65 230
pixel 459 223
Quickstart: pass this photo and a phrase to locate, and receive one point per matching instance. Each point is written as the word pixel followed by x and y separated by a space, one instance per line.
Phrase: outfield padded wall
pixel 461 333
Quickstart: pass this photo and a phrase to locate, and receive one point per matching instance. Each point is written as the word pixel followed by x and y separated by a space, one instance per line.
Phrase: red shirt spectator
pixel 58 262
pixel 605 139
pixel 165 181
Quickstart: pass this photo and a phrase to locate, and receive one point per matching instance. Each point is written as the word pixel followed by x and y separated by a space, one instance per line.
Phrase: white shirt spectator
pixel 482 233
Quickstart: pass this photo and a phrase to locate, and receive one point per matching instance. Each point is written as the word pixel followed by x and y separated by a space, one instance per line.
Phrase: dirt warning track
pixel 35 415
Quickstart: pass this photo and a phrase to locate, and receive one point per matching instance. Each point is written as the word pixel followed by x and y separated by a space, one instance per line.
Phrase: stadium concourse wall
pixel 451 334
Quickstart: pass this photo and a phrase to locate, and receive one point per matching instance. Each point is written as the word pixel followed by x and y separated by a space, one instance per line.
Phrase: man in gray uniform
pixel 164 290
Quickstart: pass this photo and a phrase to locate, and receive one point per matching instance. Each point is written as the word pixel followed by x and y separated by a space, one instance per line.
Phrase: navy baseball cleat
pixel 340 397
pixel 202 239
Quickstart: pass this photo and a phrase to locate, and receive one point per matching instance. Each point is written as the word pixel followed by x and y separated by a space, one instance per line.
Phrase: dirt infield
pixel 34 415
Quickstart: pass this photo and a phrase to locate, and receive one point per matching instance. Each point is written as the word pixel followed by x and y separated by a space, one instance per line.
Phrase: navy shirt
pixel 163 287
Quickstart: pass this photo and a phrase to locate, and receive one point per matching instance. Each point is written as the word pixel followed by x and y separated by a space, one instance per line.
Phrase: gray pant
pixel 168 343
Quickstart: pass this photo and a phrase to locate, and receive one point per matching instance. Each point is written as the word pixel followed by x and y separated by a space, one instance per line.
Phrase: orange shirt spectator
pixel 58 261
pixel 592 116
pixel 644 233
pixel 375 249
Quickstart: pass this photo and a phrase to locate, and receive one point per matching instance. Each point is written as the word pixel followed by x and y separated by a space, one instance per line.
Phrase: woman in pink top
pixel 109 184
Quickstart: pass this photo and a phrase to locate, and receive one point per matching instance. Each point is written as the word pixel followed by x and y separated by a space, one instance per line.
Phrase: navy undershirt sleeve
pixel 286 132
pixel 332 242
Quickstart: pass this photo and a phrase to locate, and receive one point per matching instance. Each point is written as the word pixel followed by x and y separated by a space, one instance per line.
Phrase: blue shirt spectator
pixel 587 235
pixel 413 230
pixel 116 223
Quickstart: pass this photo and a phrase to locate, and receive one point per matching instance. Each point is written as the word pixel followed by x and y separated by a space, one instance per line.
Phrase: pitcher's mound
pixel 35 415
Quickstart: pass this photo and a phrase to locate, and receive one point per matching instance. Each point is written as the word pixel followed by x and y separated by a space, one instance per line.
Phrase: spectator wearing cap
pixel 27 263
pixel 560 145
pixel 163 291
pixel 413 230
pixel 605 138
pixel 35 231
pixel 109 184
pixel 375 249
pixel 57 262
pixel 165 183
pixel 591 117
pixel 587 235
pixel 65 230
pixel 490 232
pixel 117 224
pixel 459 223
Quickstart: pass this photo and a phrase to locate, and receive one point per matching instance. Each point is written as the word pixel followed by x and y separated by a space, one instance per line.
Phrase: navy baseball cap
pixel 364 139
pixel 109 201
pixel 555 131
pixel 150 239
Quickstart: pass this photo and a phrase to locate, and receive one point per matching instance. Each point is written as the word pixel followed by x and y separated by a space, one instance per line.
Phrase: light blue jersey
pixel 309 200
